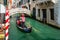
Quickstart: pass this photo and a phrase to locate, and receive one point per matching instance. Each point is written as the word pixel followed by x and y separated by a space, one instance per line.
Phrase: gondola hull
pixel 24 29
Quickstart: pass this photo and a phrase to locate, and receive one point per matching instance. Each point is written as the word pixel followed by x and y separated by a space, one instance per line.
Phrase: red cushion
pixel 18 22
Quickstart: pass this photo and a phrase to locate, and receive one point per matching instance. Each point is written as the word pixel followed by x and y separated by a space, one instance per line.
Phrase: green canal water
pixel 39 31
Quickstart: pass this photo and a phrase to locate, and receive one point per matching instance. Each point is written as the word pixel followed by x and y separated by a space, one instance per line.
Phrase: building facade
pixel 25 3
pixel 4 2
pixel 46 11
pixel 2 13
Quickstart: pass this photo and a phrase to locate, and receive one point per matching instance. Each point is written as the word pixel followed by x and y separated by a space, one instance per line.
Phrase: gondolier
pixel 23 19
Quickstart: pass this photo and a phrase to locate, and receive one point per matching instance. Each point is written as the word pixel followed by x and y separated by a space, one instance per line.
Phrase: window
pixel 44 13
pixel 5 2
pixel 52 13
pixel 33 0
pixel 38 12
pixel 28 0
pixel 0 15
pixel 3 18
pixel 21 1
pixel 29 6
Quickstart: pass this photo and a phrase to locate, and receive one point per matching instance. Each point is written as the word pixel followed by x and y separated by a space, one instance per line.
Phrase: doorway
pixel 44 15
pixel 34 13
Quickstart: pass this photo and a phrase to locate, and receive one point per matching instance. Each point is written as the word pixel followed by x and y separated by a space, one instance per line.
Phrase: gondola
pixel 24 29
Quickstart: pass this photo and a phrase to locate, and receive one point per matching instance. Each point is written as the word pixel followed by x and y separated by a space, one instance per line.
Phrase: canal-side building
pixel 25 3
pixel 46 11
pixel 13 3
pixel 3 4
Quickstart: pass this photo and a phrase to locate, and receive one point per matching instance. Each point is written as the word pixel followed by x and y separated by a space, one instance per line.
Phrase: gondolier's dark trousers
pixel 23 24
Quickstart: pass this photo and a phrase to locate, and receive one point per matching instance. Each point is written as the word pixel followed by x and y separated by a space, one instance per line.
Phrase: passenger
pixel 18 22
pixel 3 26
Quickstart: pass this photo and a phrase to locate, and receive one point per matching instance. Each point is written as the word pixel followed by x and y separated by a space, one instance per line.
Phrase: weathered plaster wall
pixel 57 11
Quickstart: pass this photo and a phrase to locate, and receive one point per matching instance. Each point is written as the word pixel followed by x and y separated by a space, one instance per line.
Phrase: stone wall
pixel 57 12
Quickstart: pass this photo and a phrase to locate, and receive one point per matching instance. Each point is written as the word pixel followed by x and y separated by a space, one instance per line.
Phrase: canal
pixel 40 31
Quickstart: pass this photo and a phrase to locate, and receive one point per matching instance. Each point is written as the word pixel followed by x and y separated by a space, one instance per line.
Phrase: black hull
pixel 26 30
